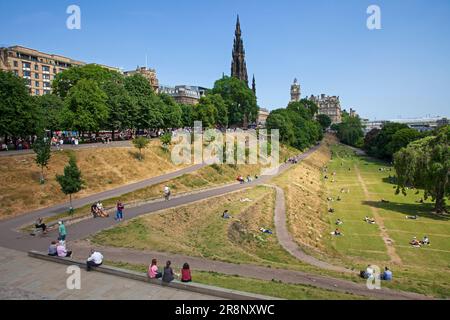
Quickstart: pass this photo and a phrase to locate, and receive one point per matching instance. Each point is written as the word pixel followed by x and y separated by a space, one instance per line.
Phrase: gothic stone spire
pixel 238 66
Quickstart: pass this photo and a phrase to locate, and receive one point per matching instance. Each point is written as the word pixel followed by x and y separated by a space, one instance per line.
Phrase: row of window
pixel 38 84
pixel 37 92
pixel 33 58
pixel 27 74
pixel 27 65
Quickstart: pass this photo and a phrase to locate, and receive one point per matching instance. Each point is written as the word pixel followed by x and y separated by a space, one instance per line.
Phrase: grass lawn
pixel 424 270
pixel 270 288
pixel 199 230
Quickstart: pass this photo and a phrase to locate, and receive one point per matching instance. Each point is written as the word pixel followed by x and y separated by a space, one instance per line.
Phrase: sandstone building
pixel 37 68
pixel 329 105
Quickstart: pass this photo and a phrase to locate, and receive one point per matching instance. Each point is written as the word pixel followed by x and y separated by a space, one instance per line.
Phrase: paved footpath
pixel 25 278
pixel 10 238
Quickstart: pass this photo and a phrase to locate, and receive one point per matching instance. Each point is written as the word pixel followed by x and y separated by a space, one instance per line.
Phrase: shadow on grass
pixel 422 210
pixel 136 155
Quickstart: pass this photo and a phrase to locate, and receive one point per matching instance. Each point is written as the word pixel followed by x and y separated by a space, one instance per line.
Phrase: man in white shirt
pixel 167 192
pixel 95 260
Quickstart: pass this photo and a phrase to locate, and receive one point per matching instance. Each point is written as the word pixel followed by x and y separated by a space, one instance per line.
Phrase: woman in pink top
pixel 153 271
pixel 186 273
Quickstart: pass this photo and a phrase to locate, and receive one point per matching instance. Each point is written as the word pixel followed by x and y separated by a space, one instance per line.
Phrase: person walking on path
pixel 119 213
pixel 167 193
pixel 62 231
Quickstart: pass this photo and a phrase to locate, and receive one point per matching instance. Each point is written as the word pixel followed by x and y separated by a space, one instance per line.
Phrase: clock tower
pixel 295 91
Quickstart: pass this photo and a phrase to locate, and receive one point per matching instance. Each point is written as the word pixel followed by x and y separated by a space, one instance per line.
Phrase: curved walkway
pixel 288 243
pixel 12 239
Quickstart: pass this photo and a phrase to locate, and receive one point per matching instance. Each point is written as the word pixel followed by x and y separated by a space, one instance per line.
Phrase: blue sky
pixel 401 70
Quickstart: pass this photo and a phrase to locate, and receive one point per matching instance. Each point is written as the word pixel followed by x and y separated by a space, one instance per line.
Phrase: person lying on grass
pixel 337 233
pixel 412 217
pixel 369 220
pixel 268 231
pixel 339 222
pixel 415 243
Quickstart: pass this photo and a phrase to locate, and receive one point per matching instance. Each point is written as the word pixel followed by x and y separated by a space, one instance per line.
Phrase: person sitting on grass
pixel 386 275
pixel 168 275
pixel 385 201
pixel 412 217
pixel 331 210
pixel 41 225
pixel 186 273
pixel 62 251
pixel 425 241
pixel 153 272
pixel 415 243
pixel 95 260
pixel 368 273
pixel 339 222
pixel 337 233
pixel 52 249
pixel 226 215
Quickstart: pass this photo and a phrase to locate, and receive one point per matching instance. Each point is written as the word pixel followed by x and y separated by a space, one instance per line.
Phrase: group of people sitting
pixel 369 273
pixel 58 249
pixel 416 243
pixel 168 275
pixel 247 180
pixel 98 211
pixel 293 160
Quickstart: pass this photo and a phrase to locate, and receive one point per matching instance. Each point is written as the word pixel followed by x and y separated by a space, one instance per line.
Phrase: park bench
pixel 192 287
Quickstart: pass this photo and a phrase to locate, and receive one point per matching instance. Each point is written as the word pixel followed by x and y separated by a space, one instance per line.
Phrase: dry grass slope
pixel 102 169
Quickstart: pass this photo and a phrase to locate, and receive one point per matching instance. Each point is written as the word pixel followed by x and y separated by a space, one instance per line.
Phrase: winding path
pixel 11 238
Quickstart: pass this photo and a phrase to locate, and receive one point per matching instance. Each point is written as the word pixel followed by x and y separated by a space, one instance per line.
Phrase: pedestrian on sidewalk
pixel 119 212
pixel 95 260
pixel 62 231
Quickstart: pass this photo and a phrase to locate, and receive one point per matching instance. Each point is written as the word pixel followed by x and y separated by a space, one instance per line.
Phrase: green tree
pixel 42 149
pixel 425 164
pixel 19 116
pixel 141 143
pixel 121 109
pixel 67 79
pixel 377 146
pixel 239 99
pixel 324 121
pixel 51 106
pixel 71 181
pixel 147 103
pixel 86 108
pixel 350 130
pixel 166 140
pixel 206 112
pixel 187 117
pixel 171 112
pixel 311 106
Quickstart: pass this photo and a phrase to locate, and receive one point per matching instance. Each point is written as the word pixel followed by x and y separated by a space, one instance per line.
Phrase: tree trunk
pixel 112 134
pixel 440 204
pixel 70 197
pixel 42 175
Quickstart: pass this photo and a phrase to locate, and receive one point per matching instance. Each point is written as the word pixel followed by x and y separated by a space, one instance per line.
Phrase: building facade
pixel 149 74
pixel 263 114
pixel 37 68
pixel 184 94
pixel 296 91
pixel 330 106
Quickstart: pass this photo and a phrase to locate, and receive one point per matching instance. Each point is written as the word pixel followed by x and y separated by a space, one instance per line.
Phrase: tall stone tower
pixel 238 66
pixel 254 85
pixel 295 91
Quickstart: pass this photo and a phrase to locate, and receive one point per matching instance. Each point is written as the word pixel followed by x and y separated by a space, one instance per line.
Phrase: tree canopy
pixel 425 164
